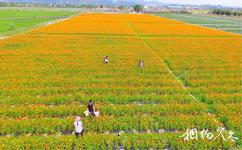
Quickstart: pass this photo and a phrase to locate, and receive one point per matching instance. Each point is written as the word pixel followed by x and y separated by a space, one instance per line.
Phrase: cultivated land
pixel 229 24
pixel 16 20
pixel 191 79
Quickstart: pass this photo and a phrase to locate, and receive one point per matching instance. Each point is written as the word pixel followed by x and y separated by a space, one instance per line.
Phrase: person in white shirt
pixel 106 60
pixel 86 113
pixel 78 126
pixel 96 113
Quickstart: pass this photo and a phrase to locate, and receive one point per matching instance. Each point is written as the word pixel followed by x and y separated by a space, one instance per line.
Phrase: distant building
pixel 174 9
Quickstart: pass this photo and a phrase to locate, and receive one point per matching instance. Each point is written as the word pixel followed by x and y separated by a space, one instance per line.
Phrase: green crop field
pixel 15 20
pixel 230 24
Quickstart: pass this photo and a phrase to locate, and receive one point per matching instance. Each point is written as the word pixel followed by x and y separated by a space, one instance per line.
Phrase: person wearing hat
pixel 78 126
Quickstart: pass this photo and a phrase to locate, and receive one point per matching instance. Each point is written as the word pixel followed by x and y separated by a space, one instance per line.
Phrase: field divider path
pixel 178 80
pixel 169 69
pixel 166 66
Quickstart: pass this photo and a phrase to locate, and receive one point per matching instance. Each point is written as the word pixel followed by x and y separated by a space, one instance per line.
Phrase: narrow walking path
pixel 169 70
pixel 177 79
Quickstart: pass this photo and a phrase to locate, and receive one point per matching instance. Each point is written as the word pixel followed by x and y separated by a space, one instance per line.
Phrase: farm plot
pixel 229 24
pixel 211 72
pixel 48 72
pixel 15 20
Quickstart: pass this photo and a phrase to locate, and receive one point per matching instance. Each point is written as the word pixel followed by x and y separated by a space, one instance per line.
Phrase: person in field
pixel 141 64
pixel 106 60
pixel 96 113
pixel 90 107
pixel 78 126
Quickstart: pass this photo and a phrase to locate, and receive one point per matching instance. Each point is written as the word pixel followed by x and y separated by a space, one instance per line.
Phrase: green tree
pixel 138 8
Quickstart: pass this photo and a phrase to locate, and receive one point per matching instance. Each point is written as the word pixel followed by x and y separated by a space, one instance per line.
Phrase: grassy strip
pixel 14 21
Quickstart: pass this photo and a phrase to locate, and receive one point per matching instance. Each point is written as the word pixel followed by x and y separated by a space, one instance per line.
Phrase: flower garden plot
pixel 210 71
pixel 140 123
pixel 111 141
pixel 43 73
pixel 48 72
pixel 35 110
pixel 166 29
pixel 205 69
pixel 100 24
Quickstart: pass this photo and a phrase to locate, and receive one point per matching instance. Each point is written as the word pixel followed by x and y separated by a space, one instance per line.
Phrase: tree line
pixel 227 12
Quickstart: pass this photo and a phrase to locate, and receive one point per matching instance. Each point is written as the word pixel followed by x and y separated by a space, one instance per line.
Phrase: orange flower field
pixel 191 79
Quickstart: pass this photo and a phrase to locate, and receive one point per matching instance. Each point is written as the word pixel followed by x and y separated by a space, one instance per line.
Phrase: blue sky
pixel 233 3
